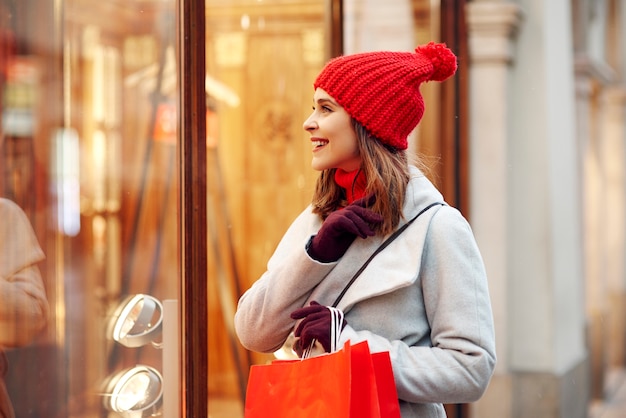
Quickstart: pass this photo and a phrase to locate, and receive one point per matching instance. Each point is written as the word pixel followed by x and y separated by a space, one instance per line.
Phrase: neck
pixel 353 182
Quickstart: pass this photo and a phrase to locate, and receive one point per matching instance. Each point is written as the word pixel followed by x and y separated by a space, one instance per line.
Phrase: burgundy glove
pixel 341 228
pixel 314 326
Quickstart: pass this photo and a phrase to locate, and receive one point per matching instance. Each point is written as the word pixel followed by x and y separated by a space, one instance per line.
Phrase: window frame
pixel 193 225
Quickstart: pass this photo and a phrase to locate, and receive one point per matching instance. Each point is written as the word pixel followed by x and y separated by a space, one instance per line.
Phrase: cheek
pixel 350 142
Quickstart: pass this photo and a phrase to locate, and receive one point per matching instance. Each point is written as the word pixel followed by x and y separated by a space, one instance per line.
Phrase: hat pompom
pixel 442 58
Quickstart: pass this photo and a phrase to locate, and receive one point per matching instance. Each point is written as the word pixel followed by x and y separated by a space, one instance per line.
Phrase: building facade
pixel 547 109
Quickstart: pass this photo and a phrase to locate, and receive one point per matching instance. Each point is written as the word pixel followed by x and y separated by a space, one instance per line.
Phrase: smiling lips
pixel 318 143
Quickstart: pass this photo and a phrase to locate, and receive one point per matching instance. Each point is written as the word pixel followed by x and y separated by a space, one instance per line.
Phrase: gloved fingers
pixel 302 347
pixel 359 224
pixel 297 347
pixel 367 215
pixel 315 327
pixel 308 338
pixel 338 216
pixel 323 315
pixel 345 221
pixel 315 320
pixel 307 310
pixel 366 201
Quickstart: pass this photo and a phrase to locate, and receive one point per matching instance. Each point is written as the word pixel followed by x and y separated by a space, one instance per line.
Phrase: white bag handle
pixel 336 322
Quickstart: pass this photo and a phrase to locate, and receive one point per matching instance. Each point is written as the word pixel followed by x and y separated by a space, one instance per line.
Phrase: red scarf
pixel 353 182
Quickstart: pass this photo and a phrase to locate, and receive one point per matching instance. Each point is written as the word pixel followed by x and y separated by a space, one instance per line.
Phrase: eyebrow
pixel 325 100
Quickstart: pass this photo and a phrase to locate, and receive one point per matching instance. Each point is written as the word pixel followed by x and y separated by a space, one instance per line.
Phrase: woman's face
pixel 332 135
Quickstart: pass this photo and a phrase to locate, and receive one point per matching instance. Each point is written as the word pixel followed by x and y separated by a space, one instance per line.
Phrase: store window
pixel 88 155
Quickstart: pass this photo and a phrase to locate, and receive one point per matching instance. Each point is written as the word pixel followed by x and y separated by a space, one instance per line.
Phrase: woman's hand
pixel 315 325
pixel 341 228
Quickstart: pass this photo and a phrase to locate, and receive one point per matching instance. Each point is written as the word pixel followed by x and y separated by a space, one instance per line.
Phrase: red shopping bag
pixel 364 390
pixel 338 385
pixel 386 386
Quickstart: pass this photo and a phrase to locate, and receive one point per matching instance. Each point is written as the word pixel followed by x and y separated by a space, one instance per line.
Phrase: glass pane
pixel 262 57
pixel 88 154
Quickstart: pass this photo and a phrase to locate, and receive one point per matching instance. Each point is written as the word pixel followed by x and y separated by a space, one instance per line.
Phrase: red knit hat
pixel 381 90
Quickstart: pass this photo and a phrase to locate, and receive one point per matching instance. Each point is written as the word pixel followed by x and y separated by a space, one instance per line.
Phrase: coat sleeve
pixel 262 319
pixel 457 365
pixel 23 303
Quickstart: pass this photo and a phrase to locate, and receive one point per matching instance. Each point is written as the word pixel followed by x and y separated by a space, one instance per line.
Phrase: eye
pixel 323 108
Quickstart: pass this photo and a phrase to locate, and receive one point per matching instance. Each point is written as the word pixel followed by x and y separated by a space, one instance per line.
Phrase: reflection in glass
pixel 137 321
pixel 261 59
pixel 78 152
pixel 135 392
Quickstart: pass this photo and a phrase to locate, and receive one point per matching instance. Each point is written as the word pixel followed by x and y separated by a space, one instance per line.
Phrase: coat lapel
pixel 395 267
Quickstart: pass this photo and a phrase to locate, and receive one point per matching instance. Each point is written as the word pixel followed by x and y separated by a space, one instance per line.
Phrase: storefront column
pixel 492 26
pixel 591 186
pixel 526 206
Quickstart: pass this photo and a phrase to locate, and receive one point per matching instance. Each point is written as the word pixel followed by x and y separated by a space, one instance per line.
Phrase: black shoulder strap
pixel 379 249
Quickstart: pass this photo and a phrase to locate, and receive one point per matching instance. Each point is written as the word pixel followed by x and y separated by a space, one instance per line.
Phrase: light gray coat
pixel 425 299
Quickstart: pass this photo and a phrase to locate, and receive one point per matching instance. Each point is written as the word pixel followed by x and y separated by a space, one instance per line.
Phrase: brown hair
pixel 387 172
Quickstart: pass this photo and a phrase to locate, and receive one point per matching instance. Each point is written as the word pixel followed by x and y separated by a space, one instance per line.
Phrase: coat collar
pixel 398 265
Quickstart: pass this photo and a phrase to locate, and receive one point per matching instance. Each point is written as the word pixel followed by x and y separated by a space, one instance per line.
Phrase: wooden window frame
pixel 455 156
pixel 193 224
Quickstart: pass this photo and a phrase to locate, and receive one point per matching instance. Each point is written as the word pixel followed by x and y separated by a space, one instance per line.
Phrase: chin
pixel 318 167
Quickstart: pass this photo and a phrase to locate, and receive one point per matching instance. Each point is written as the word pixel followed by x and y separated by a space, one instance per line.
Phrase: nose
pixel 310 123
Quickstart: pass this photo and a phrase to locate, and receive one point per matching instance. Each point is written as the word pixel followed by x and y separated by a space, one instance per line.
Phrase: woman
pixel 23 303
pixel 425 297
